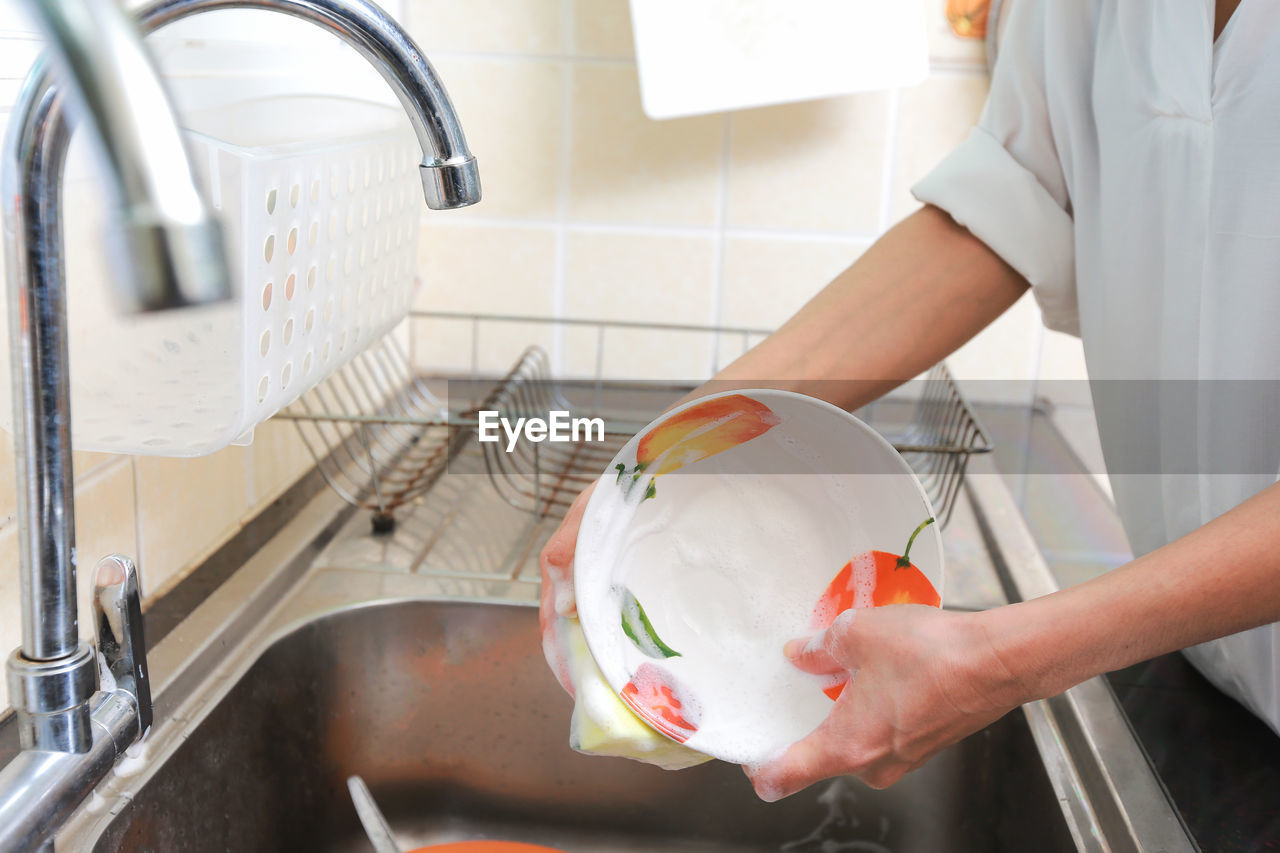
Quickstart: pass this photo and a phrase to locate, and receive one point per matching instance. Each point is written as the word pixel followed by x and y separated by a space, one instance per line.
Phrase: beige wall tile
pixel 602 28
pixel 442 347
pixel 448 349
pixel 486 26
pixel 104 525
pixel 10 604
pixel 934 118
pixel 484 269
pixel 812 166
pixel 1062 357
pixel 642 355
pixel 1063 377
pixel 84 465
pixel 768 280
pixel 646 278
pixel 730 347
pixel 1005 352
pixel 105 518
pixel 489 268
pixel 625 167
pixel 278 458
pixel 511 111
pixel 186 508
pixel 8 484
pixel 85 462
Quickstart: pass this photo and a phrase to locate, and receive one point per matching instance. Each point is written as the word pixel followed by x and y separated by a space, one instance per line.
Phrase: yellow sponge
pixel 602 723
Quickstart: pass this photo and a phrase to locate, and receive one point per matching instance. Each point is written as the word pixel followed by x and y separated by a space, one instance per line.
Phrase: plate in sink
pixel 725 528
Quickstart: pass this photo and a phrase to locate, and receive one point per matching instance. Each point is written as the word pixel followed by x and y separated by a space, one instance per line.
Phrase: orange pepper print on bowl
pixel 874 579
pixel 704 429
pixel 655 697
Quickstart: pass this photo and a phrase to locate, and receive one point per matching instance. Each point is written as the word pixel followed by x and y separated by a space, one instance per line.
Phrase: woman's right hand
pixel 557 603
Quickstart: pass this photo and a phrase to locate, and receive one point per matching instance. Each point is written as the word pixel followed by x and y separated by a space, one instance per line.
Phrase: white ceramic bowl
pixel 725 528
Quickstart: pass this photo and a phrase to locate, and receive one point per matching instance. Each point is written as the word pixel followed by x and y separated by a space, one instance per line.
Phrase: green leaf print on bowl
pixel 636 625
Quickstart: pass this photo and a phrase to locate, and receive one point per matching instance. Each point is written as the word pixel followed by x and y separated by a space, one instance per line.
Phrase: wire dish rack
pixel 384 434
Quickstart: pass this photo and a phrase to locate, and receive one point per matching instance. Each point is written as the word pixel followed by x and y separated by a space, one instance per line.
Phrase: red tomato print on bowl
pixel 874 579
pixel 658 700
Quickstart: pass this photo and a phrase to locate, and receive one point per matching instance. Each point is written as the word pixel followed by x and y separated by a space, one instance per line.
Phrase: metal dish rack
pixel 383 434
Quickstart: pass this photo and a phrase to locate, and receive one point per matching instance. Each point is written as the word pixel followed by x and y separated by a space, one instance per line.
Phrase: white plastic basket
pixel 320 201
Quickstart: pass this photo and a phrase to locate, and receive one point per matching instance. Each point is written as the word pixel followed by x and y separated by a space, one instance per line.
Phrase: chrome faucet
pixel 167 252
pixel 448 171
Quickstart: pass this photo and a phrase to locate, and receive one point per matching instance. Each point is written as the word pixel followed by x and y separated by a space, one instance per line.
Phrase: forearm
pixel 1219 579
pixel 910 300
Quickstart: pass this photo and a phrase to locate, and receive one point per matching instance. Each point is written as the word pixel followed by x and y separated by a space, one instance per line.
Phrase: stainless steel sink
pixel 428 681
pixel 448 712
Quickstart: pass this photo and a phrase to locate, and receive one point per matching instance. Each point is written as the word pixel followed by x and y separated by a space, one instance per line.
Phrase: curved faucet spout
pixel 449 175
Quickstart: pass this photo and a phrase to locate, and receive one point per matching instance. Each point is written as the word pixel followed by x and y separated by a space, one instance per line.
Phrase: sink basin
pixel 449 713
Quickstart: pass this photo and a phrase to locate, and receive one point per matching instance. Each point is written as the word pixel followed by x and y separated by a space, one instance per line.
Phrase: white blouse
pixel 1129 167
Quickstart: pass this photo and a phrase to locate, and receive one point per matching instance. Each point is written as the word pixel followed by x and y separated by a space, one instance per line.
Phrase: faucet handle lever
pixel 122 653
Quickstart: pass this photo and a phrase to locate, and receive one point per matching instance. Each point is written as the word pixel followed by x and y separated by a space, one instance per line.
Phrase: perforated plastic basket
pixel 320 200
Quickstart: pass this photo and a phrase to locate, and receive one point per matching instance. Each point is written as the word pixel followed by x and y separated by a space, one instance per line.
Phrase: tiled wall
pixel 591 210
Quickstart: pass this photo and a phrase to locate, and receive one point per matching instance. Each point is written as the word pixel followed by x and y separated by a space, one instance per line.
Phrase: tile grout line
pixel 99 472
pixel 563 166
pixel 137 525
pixel 80 483
pixel 250 481
pixel 1037 359
pixel 721 220
pixel 568 56
pixel 650 230
pixel 937 68
pixel 893 114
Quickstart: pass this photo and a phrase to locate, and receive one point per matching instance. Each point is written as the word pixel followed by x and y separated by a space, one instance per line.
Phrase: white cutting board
pixel 703 56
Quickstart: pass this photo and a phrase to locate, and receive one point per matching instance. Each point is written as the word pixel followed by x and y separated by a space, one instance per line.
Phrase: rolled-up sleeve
pixel 1005 181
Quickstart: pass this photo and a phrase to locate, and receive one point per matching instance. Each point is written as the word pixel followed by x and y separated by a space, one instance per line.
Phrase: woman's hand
pixel 920 680
pixel 557 602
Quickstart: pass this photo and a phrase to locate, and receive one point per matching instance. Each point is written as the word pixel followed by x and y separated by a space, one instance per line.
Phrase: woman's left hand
pixel 920 679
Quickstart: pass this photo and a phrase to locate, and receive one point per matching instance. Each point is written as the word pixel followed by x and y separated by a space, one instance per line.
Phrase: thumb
pixel 828 652
pixel 806 761
pixel 556 559
pixel 810 655
pixel 555 648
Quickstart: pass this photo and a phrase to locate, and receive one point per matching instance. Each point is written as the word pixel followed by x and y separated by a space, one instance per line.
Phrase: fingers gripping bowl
pixel 727 527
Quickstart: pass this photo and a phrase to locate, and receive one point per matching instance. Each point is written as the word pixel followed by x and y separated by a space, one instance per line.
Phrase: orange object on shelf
pixel 968 18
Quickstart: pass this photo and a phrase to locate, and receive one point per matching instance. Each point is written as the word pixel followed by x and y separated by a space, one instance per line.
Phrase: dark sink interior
pixel 448 712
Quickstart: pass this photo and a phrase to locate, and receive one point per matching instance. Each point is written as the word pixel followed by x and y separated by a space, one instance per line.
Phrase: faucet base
pixel 51 699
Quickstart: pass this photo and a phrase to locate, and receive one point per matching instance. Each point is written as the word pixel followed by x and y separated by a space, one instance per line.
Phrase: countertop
pixel 1219 763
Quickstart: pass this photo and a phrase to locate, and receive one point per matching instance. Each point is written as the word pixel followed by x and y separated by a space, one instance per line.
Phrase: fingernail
pixel 767 791
pixel 794 648
pixel 565 603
